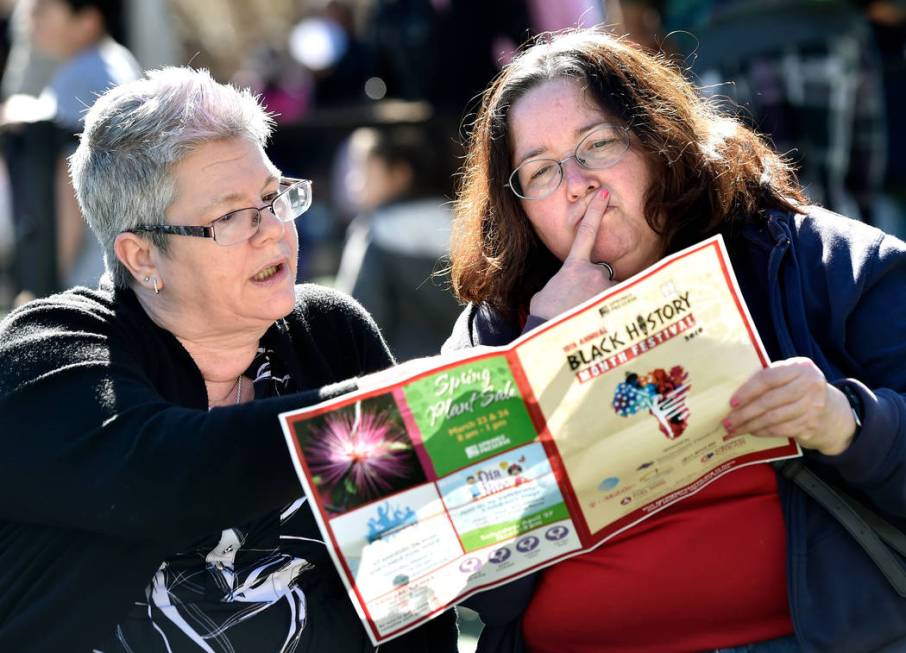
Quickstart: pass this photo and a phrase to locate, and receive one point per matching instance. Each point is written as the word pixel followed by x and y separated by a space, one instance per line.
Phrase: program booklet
pixel 455 474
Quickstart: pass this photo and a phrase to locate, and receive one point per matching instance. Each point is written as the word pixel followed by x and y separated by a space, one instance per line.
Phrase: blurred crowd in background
pixel 373 97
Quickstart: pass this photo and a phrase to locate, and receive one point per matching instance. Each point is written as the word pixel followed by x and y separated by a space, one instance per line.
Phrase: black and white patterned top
pixel 237 590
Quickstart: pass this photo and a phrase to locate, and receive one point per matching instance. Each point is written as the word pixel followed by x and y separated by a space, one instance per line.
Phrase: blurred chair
pixel 30 151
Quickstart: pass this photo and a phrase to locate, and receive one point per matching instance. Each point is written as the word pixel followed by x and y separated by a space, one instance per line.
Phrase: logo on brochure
pixel 527 544
pixel 496 478
pixel 555 533
pixel 470 565
pixel 661 393
pixel 500 555
pixel 387 521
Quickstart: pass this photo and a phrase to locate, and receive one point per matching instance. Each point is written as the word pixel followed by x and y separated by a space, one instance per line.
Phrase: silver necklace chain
pixel 238 393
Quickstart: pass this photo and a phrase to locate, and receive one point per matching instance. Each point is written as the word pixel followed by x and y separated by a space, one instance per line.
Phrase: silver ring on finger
pixel 607 267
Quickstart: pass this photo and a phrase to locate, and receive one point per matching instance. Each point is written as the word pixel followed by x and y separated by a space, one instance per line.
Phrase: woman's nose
pixel 269 226
pixel 579 181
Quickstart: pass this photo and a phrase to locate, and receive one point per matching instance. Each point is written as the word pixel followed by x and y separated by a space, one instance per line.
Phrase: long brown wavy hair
pixel 707 169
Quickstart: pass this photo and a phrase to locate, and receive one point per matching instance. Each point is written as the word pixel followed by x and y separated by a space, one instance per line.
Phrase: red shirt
pixel 707 572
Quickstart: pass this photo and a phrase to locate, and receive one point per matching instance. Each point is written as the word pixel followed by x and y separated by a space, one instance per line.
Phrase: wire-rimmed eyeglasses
pixel 601 148
pixel 292 200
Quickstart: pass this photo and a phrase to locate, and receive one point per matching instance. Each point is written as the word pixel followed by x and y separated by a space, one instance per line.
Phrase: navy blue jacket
pixel 832 289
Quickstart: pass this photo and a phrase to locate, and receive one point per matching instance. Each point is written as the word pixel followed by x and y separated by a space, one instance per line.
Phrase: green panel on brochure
pixel 469 413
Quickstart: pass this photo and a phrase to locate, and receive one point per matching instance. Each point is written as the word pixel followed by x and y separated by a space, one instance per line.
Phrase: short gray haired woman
pixel 147 500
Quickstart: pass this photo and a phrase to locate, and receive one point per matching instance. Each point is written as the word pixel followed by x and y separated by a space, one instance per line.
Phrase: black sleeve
pixel 91 443
pixel 337 335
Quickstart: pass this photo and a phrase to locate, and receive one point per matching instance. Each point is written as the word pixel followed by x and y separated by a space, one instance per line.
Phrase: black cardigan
pixel 110 458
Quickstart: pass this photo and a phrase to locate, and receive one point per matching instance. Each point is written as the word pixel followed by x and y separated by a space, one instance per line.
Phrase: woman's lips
pixel 271 274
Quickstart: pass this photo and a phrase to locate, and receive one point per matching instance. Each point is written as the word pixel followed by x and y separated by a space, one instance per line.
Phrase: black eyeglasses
pixel 601 148
pixel 235 227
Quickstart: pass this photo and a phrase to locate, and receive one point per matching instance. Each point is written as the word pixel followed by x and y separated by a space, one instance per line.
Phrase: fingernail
pixel 603 193
pixel 734 402
pixel 727 424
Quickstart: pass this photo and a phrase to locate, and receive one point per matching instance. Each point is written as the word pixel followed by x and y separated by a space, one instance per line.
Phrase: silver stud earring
pixel 147 279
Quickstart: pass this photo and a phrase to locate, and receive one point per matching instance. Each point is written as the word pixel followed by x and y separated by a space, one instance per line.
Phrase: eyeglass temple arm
pixel 179 230
pixel 289 181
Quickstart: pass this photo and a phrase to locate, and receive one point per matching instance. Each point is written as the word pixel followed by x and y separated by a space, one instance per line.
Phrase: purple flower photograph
pixel 359 453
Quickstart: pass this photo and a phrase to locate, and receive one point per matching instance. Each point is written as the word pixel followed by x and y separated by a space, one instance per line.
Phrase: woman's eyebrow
pixel 271 179
pixel 232 197
pixel 529 155
pixel 581 131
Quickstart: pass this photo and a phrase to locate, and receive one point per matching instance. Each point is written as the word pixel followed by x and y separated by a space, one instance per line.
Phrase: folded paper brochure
pixel 454 474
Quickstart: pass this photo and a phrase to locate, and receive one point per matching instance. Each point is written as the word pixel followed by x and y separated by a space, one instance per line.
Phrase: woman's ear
pixel 134 252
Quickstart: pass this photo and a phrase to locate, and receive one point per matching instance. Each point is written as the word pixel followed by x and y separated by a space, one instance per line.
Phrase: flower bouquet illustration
pixel 659 392
pixel 360 453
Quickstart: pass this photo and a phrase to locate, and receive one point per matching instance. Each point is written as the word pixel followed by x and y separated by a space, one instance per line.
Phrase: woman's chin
pixel 282 304
pixel 275 300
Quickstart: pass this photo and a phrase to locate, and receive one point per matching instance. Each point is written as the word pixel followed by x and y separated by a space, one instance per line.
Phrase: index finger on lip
pixel 587 230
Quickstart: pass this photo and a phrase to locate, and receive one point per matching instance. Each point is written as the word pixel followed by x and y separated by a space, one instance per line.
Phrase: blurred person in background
pixel 81 35
pixel 8 35
pixel 147 498
pixel 808 75
pixel 887 19
pixel 26 70
pixel 326 44
pixel 443 51
pixel 285 88
pixel 591 159
pixel 54 247
pixel 398 176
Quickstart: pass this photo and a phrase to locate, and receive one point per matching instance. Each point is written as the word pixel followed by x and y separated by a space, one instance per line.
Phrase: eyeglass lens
pixel 241 225
pixel 600 149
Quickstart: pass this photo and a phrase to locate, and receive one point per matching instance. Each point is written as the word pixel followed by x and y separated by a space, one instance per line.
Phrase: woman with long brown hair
pixel 591 159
